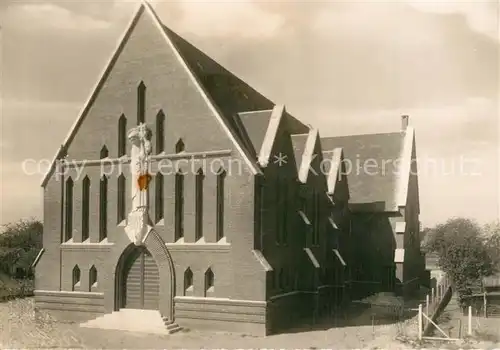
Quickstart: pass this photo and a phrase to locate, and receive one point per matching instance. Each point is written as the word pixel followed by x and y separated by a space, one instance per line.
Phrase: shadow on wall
pixel 379 309
pixel 358 314
pixel 373 249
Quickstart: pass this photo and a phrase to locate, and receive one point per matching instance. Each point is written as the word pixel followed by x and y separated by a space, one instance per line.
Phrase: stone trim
pixel 218 301
pixel 204 247
pixel 262 260
pixel 54 293
pixel 400 227
pixel 334 170
pixel 284 295
pixel 103 246
pixel 270 136
pixel 37 259
pixel 311 256
pixel 307 156
pixel 157 157
pixel 337 253
pixel 399 255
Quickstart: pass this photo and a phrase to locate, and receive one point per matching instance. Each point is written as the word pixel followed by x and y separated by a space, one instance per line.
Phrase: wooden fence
pixel 434 305
pixel 484 304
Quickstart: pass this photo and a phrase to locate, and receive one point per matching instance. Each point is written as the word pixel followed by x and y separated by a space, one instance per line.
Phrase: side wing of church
pixel 182 190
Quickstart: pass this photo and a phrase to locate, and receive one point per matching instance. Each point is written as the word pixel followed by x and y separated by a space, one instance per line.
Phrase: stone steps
pixel 134 320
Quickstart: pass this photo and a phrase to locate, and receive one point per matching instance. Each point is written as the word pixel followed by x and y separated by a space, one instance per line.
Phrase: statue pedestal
pixel 138 225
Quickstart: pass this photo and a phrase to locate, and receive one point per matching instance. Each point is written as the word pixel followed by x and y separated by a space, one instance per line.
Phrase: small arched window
pixel 179 146
pixel 104 153
pixel 209 283
pixel 92 278
pixel 188 282
pixel 76 278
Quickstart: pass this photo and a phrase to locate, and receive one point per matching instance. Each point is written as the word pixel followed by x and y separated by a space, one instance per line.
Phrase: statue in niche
pixel 138 222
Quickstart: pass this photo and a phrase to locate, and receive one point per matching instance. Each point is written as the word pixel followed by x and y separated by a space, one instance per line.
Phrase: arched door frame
pixel 156 246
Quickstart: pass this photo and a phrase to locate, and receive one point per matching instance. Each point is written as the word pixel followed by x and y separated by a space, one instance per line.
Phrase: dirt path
pixel 18 329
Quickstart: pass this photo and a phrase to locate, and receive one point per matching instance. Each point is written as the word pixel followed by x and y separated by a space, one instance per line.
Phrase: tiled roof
pixel 255 124
pixel 369 166
pixel 248 113
pixel 229 93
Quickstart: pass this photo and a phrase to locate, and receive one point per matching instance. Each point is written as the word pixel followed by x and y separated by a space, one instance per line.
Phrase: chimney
pixel 404 122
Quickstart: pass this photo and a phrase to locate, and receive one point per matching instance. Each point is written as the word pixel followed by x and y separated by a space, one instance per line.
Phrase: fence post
pixel 419 321
pixel 427 305
pixel 485 305
pixel 469 319
pixel 459 328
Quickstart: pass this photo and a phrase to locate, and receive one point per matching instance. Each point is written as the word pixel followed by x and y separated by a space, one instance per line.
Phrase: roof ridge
pixel 257 110
pixel 367 134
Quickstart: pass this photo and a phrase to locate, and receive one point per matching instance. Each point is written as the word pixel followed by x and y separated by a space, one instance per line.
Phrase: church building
pixel 181 189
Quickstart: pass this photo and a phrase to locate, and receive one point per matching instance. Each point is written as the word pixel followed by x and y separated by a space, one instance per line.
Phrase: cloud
pixel 34 129
pixel 240 18
pixel 32 16
pixel 21 193
pixel 481 16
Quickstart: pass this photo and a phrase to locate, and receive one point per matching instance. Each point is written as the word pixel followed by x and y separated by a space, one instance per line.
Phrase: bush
pixel 20 243
pixel 463 253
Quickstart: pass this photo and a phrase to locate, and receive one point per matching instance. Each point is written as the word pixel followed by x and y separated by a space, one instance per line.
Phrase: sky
pixel 343 66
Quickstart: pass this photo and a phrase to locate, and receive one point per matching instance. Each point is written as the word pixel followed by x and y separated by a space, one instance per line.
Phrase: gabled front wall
pixel 148 57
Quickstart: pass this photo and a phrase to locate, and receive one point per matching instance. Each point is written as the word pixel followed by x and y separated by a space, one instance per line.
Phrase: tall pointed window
pixel 281 279
pixel 69 210
pixel 103 208
pixel 158 197
pixel 179 146
pixel 199 204
pixel 141 103
pixel 85 208
pixel 179 205
pixel 160 132
pixel 279 209
pixel 317 218
pixel 259 212
pixel 76 278
pixel 221 175
pixel 122 136
pixel 284 212
pixel 121 193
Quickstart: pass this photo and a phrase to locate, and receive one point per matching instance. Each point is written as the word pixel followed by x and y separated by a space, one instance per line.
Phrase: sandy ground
pixel 18 329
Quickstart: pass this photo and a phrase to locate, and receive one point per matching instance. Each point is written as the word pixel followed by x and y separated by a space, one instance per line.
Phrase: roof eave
pixel 270 137
pixel 308 154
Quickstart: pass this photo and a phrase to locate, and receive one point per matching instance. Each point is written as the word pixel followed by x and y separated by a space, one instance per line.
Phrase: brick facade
pixel 290 248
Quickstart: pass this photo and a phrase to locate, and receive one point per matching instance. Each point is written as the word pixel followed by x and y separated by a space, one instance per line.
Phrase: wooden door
pixel 142 282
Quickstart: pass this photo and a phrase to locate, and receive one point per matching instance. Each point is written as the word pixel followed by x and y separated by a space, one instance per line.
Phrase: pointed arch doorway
pixel 145 277
pixel 140 282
